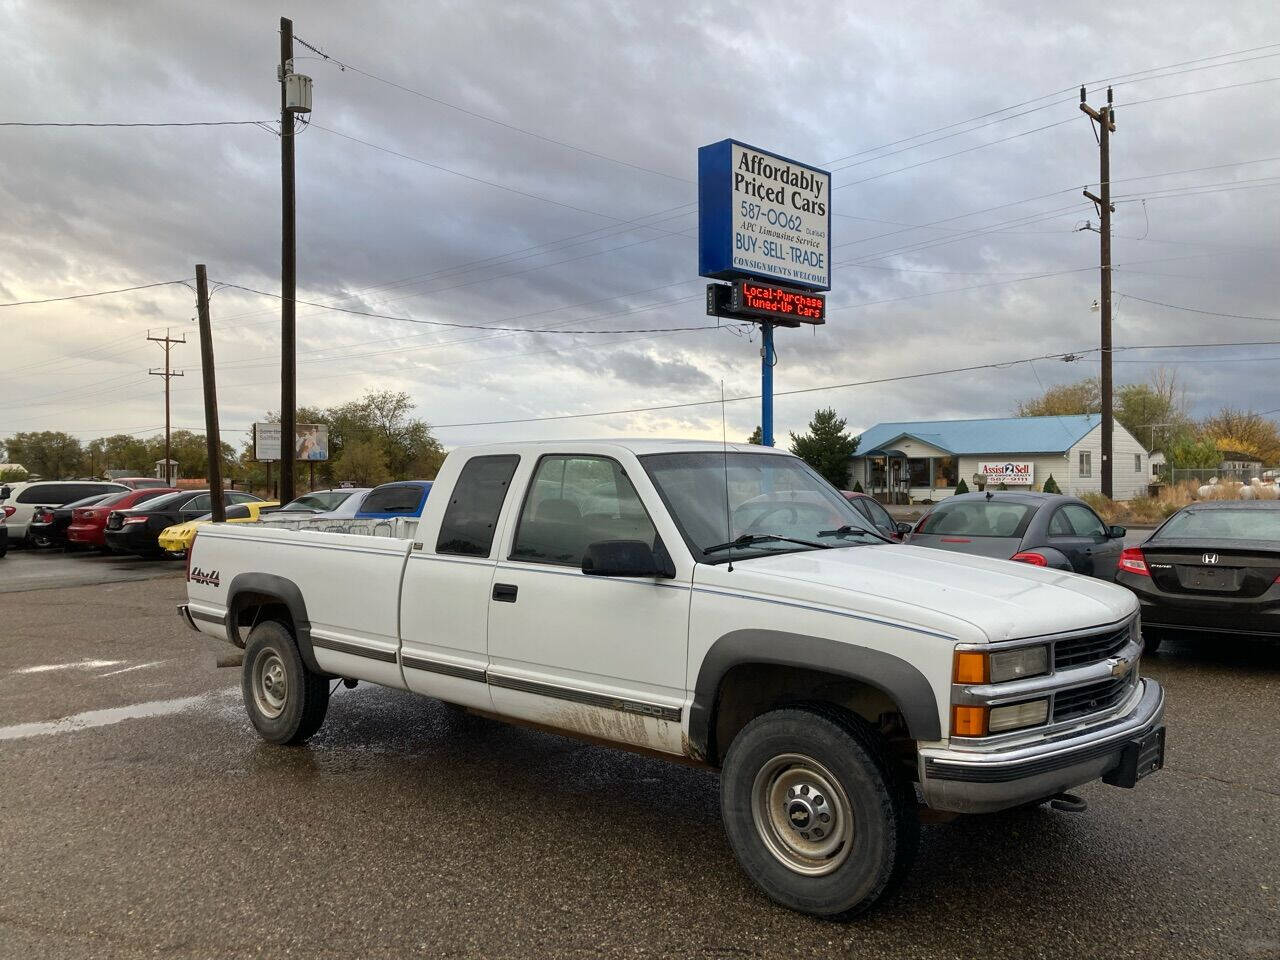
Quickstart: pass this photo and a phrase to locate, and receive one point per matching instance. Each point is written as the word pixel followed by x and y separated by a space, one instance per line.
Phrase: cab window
pixel 574 501
pixel 471 517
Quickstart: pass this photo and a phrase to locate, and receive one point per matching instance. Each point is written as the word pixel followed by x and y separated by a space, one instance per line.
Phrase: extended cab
pixel 723 605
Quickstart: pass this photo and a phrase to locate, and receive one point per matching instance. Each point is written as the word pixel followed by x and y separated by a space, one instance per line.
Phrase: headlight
pixel 1015 664
pixel 972 666
pixel 1030 714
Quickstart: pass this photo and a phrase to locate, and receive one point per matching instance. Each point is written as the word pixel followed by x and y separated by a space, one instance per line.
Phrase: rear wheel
pixel 815 813
pixel 285 701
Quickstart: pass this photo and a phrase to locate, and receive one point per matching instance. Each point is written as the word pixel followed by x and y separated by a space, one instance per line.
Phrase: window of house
pixel 945 472
pixel 919 471
pixel 1086 463
pixel 1137 463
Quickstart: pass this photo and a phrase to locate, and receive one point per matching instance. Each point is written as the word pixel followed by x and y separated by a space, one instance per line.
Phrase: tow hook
pixel 1069 803
pixel 349 683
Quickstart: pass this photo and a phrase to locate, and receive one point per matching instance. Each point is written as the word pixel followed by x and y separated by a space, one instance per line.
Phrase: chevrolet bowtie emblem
pixel 1120 666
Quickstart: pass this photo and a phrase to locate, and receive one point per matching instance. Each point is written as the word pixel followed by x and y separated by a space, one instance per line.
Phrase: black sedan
pixel 1212 567
pixel 1043 529
pixel 138 529
pixel 48 526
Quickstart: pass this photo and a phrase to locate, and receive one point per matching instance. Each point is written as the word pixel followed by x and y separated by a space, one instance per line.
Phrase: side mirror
pixel 1116 533
pixel 904 528
pixel 623 558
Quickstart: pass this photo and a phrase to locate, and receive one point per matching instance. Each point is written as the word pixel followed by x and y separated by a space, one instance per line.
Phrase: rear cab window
pixel 471 518
pixel 977 518
pixel 403 501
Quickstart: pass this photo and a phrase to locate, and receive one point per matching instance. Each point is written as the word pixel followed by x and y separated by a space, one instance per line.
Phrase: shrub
pixel 857 487
pixel 1051 485
pixel 961 486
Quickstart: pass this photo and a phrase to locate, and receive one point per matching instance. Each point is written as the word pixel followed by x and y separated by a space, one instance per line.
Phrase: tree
pixel 1155 411
pixel 1051 485
pixel 363 462
pixel 961 487
pixel 1189 452
pixel 51 454
pixel 757 437
pixel 12 474
pixel 826 447
pixel 1248 434
pixel 1084 396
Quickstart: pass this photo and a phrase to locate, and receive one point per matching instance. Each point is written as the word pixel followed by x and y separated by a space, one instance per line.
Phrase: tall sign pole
pixel 764 225
pixel 1106 120
pixel 211 434
pixel 288 269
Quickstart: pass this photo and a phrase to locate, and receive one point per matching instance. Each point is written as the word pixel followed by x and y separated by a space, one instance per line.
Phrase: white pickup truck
pixel 724 605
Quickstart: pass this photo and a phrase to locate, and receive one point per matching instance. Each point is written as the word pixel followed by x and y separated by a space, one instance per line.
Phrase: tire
pixel 809 763
pixel 1151 640
pixel 285 701
pixel 41 543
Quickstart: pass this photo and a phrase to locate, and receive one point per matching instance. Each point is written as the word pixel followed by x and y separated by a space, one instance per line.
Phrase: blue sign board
pixel 763 216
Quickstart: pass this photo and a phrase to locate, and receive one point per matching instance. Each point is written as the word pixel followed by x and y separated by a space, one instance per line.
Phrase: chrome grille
pixel 1081 650
pixel 1092 698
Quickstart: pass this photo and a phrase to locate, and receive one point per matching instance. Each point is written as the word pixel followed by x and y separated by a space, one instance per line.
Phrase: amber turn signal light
pixel 968 721
pixel 971 667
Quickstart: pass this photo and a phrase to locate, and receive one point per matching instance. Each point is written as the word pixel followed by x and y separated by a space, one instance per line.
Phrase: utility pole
pixel 767 360
pixel 211 433
pixel 288 271
pixel 1106 121
pixel 167 342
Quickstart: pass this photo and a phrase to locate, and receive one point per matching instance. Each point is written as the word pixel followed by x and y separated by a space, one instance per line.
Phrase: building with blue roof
pixel 914 461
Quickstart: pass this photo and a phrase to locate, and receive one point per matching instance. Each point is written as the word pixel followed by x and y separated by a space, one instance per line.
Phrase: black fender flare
pixel 287 592
pixel 893 676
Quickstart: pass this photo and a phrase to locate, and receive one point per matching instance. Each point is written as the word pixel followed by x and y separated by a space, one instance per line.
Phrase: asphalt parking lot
pixel 24 569
pixel 141 818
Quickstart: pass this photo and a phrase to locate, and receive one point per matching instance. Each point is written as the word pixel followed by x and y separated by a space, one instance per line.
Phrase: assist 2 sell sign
pixel 1013 473
pixel 763 216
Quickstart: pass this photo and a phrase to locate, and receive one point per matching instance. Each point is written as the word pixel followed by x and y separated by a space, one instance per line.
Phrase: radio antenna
pixel 724 444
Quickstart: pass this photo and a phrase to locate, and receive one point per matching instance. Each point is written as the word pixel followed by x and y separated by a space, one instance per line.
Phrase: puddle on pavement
pixel 98 718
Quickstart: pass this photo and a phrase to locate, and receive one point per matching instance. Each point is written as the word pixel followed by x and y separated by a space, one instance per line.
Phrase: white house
pixel 923 460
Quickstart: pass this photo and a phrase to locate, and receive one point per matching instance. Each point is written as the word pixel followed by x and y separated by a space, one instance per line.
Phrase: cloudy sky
pixel 533 165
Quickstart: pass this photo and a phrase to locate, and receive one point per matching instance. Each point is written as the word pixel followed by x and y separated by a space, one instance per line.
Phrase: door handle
pixel 505 592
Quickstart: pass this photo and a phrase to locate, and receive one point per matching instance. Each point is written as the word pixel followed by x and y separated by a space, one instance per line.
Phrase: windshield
pixel 1222 524
pixel 977 518
pixel 768 497
pixel 328 500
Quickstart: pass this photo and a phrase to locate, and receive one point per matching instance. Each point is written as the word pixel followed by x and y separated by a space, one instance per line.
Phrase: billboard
pixel 311 441
pixel 1013 473
pixel 763 216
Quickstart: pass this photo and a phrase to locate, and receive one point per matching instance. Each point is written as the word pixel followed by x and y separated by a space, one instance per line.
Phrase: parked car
pixel 5 513
pixel 404 498
pixel 1213 567
pixel 870 508
pixel 26 498
pixel 89 524
pixel 338 502
pixel 145 483
pixel 1042 529
pixel 177 539
pixel 827 673
pixel 48 526
pixel 137 529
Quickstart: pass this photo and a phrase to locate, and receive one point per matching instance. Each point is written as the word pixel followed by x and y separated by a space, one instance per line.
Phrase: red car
pixel 870 508
pixel 144 483
pixel 89 524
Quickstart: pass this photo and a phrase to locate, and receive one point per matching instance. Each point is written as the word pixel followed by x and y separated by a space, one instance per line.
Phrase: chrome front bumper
pixel 973 781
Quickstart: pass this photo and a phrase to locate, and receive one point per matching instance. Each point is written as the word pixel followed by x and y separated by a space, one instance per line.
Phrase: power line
pixel 466 326
pixel 96 293
pixel 487 119
pixel 175 123
pixel 1206 313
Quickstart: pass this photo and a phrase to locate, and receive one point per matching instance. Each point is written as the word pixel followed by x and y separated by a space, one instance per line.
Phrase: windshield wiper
pixel 751 539
pixel 847 531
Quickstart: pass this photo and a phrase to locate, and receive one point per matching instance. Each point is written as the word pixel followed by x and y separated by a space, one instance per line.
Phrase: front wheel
pixel 815 813
pixel 285 701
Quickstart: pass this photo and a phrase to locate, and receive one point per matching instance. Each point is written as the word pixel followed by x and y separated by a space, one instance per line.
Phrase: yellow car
pixel 177 539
